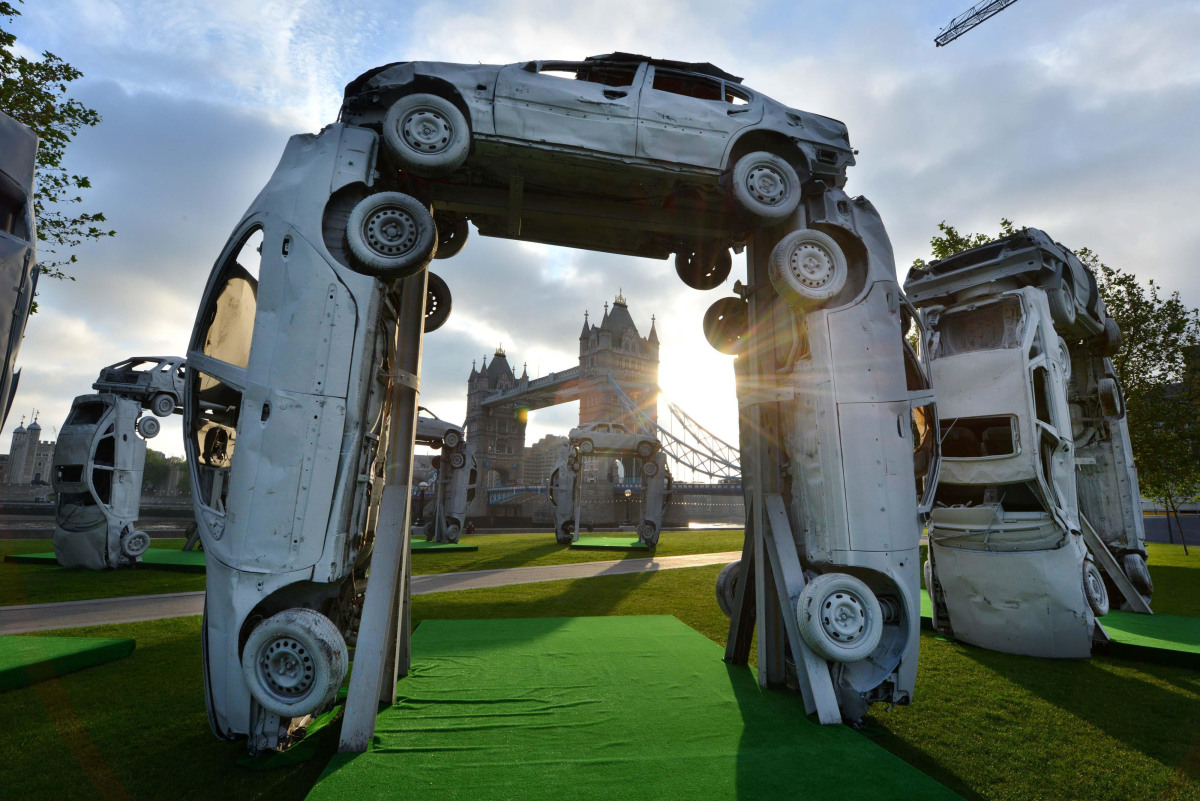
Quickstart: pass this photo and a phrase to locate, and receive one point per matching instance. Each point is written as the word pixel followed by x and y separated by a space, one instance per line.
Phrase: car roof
pixel 703 68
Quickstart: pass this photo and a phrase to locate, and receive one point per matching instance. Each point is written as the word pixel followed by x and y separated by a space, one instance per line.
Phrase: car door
pixel 688 118
pixel 574 104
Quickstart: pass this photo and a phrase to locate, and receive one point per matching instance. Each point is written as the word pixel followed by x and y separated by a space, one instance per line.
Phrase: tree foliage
pixel 1158 366
pixel 34 92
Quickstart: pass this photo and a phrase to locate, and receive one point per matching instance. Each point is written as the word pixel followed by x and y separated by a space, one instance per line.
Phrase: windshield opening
pixel 987 327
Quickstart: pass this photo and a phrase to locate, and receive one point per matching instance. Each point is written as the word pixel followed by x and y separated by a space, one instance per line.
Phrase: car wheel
pixel 586 446
pixel 808 268
pixel 1064 359
pixel 650 469
pixel 163 404
pixel 148 427
pixel 436 462
pixel 566 534
pixel 725 323
pixel 573 465
pixel 1094 589
pixel 391 235
pixel 452 233
pixel 648 533
pixel 1111 342
pixel 1110 397
pixel 426 135
pixel 135 543
pixel 727 581
pixel 645 449
pixel 294 662
pixel 705 268
pixel 437 303
pixel 1134 565
pixel 458 461
pixel 839 617
pixel 453 530
pixel 1062 306
pixel 765 186
pixel 451 439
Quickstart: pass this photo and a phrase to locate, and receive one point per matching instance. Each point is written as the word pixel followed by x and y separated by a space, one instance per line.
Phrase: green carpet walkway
pixel 25 660
pixel 425 546
pixel 602 708
pixel 614 543
pixel 159 558
pixel 1175 638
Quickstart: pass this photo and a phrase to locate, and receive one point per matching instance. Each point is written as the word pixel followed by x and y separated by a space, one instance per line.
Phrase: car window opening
pixel 988 327
pixel 12 209
pixel 923 437
pixel 106 450
pixel 233 308
pixel 979 437
pixel 1041 395
pixel 688 85
pixel 86 414
pixel 102 484
pixel 69 474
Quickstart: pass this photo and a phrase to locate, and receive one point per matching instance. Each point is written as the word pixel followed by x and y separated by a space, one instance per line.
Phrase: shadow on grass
pixel 1125 700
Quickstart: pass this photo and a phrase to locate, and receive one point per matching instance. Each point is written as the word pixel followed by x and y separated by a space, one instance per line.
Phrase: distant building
pixel 29 457
pixel 540 458
pixel 497 432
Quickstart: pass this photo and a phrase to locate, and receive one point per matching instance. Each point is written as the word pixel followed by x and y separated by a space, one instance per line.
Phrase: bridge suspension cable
pixel 685 441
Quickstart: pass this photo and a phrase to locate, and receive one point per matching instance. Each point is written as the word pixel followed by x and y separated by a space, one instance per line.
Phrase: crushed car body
pixel 18 248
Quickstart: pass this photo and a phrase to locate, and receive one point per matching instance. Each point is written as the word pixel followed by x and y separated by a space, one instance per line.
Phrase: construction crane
pixel 967 20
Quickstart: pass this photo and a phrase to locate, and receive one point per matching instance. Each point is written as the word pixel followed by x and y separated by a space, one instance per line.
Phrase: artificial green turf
pixel 37 584
pixel 610 543
pixel 602 708
pixel 160 558
pixel 25 660
pixel 426 546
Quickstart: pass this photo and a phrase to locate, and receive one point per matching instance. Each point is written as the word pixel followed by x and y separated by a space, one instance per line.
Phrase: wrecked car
pixel 1009 568
pixel 18 247
pixel 97 475
pixel 702 156
pixel 154 381
pixel 285 427
pixel 612 438
pixel 456 474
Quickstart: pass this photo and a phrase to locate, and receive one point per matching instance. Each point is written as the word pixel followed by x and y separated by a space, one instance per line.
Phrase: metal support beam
pixel 1109 563
pixel 382 654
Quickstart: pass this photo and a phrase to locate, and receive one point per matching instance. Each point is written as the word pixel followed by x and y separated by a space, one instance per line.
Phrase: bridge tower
pixel 615 347
pixel 496 431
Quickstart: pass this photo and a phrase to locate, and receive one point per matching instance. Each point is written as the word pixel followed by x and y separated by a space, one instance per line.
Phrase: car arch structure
pixel 304 367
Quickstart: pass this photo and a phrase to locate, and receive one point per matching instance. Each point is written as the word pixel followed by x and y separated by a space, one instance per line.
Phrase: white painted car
pixel 456 474
pixel 285 427
pixel 154 381
pixel 608 438
pixel 18 247
pixel 99 458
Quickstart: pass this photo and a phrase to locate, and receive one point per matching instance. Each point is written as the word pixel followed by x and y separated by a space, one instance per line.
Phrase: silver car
pixel 18 247
pixel 612 438
pixel 705 157
pixel 154 381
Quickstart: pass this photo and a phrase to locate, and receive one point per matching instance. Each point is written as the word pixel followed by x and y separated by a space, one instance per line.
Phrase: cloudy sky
pixel 1077 117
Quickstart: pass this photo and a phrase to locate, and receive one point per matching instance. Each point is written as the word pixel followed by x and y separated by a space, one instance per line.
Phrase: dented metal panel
pixel 18 248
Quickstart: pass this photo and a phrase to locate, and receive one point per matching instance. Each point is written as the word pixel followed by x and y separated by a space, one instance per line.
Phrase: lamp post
pixel 628 495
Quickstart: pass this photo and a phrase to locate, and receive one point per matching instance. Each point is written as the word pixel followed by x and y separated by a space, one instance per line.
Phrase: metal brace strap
pixel 407 379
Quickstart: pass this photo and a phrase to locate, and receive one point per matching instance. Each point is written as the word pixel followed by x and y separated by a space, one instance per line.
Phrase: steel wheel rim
pixel 390 231
pixel 286 668
pixel 843 617
pixel 766 185
pixel 812 265
pixel 426 131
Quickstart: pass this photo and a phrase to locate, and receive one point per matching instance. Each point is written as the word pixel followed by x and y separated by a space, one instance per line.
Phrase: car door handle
pixel 613 94
pixel 738 110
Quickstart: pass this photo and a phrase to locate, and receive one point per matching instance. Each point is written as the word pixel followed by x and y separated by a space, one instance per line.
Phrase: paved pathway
pixel 137 608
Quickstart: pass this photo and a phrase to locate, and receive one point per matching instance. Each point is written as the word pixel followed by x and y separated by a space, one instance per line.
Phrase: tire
pixel 163 405
pixel 452 233
pixel 1110 397
pixel 1064 359
pixel 1062 306
pixel 648 533
pixel 808 268
pixel 765 186
pixel 451 440
pixel 727 581
pixel 436 462
pixel 458 461
pixel 650 469
pixel 573 465
pixel 148 427
pixel 645 449
pixel 725 323
pixel 839 617
pixel 1094 589
pixel 426 135
pixel 453 532
pixel 1111 338
pixel 567 535
pixel 135 543
pixel 1134 565
pixel 704 269
pixel 294 662
pixel 390 235
pixel 586 446
pixel 437 303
